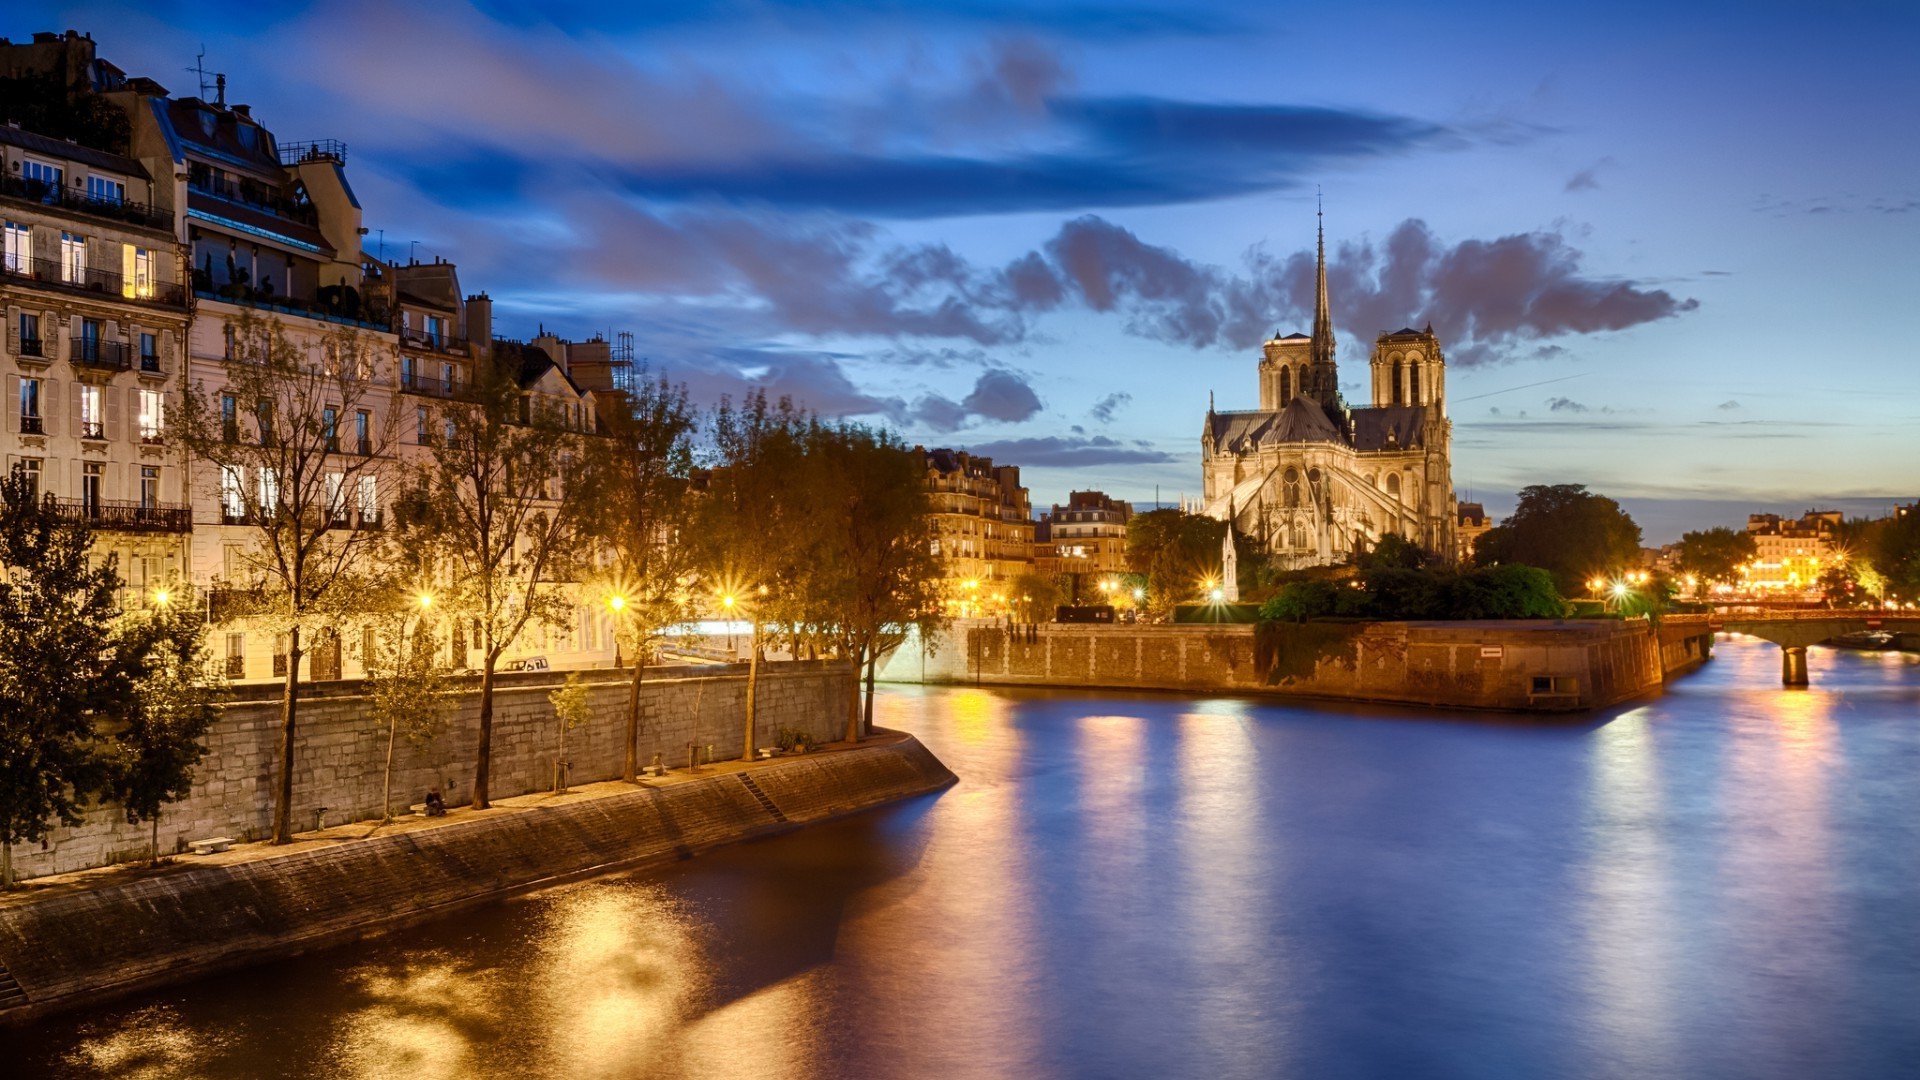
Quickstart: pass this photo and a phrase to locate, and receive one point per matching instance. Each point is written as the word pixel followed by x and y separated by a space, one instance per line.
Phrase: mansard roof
pixel 1405 423
pixel 1302 421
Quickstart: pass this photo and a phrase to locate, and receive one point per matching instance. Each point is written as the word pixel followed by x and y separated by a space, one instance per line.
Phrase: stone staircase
pixel 761 797
pixel 11 992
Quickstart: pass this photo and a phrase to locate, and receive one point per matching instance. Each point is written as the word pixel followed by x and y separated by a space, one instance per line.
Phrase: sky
pixel 1669 249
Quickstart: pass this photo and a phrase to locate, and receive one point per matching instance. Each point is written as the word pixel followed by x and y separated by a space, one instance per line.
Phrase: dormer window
pixel 105 189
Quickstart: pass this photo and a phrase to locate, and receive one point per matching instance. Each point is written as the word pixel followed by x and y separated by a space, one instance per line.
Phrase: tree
pixel 1566 530
pixel 1714 555
pixel 570 710
pixel 876 578
pixel 309 492
pixel 1893 550
pixel 645 463
pixel 1038 595
pixel 753 522
pixel 499 506
pixel 404 677
pixel 1392 552
pixel 1176 551
pixel 176 698
pixel 66 668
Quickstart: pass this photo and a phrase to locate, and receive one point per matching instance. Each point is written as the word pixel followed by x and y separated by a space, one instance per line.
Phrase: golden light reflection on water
pixel 1245 998
pixel 969 912
pixel 422 1021
pixel 149 1044
pixel 1627 904
pixel 778 1031
pixel 614 977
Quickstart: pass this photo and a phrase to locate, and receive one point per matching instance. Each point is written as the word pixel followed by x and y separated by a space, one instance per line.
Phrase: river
pixel 1722 881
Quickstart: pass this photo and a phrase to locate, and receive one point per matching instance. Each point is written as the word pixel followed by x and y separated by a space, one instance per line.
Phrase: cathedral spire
pixel 1322 317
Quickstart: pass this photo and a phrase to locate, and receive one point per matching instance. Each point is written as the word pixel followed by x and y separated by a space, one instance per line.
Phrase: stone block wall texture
pixel 340 755
pixel 199 916
pixel 1457 665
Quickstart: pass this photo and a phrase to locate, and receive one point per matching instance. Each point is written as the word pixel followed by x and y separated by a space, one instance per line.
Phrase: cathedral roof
pixel 1294 337
pixel 1302 421
pixel 1404 423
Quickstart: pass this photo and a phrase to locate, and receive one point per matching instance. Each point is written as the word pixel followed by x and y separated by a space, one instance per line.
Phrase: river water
pixel 1723 881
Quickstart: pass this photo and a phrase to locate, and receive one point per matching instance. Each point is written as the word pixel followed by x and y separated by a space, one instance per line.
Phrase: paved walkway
pixel 42 888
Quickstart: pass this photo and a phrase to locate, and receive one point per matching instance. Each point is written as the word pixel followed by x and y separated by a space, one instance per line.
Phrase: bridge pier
pixel 1793 665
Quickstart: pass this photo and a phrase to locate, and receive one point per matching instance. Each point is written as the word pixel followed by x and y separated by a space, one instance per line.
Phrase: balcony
pixel 128 516
pixel 101 355
pixel 92 429
pixel 430 385
pixel 46 194
pixel 32 425
pixel 33 348
pixel 54 274
pixel 315 150
pixel 421 339
pixel 335 303
pixel 254 195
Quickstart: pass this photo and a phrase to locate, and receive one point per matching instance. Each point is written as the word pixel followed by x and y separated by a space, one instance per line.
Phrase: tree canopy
pixel 1713 556
pixel 1566 530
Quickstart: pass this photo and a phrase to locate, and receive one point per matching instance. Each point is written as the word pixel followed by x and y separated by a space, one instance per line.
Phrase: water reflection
pixel 1714 882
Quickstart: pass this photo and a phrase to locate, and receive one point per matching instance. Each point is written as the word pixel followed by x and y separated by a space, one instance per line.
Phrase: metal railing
pixel 49 194
pixel 53 272
pixel 254 195
pixel 431 385
pixel 32 425
pixel 294 153
pixel 101 353
pixel 437 342
pixel 33 346
pixel 93 429
pixel 128 516
pixel 375 315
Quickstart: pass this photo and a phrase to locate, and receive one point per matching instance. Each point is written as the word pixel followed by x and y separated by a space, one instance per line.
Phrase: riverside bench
pixel 210 845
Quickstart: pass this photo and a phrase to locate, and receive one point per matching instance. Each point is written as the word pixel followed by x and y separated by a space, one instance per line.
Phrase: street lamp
pixel 426 600
pixel 162 597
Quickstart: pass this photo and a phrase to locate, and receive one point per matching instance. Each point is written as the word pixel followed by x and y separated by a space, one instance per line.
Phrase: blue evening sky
pixel 1669 248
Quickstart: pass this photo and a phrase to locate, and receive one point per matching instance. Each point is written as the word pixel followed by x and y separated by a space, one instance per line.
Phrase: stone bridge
pixel 1793 629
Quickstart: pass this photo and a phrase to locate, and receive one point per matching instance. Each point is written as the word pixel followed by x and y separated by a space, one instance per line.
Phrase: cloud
pixel 1561 404
pixel 1587 179
pixel 1073 452
pixel 1728 405
pixel 997 395
pixel 1104 409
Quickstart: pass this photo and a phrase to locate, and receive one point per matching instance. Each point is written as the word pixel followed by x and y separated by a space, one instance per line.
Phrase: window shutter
pixel 166 352
pixel 50 406
pixel 13 331
pixel 111 395
pixel 13 404
pixel 73 408
pixel 78 489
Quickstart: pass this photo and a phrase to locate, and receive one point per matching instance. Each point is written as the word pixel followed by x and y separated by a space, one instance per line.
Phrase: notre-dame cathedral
pixel 1311 480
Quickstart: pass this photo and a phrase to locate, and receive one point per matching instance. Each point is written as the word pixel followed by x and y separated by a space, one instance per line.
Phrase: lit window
pixel 152 415
pixel 137 282
pixel 232 500
pixel 93 417
pixel 73 258
pixel 369 498
pixel 50 179
pixel 19 248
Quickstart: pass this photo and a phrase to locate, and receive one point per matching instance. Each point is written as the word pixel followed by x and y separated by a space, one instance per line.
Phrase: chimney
pixel 220 90
pixel 480 320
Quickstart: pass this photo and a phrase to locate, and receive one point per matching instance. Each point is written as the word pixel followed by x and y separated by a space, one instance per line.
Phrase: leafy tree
pixel 645 463
pixel 1298 601
pixel 500 505
pixel 571 708
pixel 875 576
pixel 308 487
pixel 43 103
pixel 1038 595
pixel 1715 555
pixel 405 677
pixel 753 522
pixel 1392 552
pixel 1567 531
pixel 1893 550
pixel 1391 593
pixel 66 668
pixel 176 698
pixel 1176 551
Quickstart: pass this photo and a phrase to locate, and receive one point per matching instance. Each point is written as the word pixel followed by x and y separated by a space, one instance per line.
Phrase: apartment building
pixel 141 250
pixel 1790 555
pixel 91 283
pixel 982 526
pixel 1087 536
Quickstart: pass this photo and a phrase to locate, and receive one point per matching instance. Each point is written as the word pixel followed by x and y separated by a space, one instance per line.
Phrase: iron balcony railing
pixel 315 150
pixel 370 316
pixel 430 385
pixel 256 195
pixel 438 342
pixel 51 194
pixel 33 346
pixel 100 353
pixel 93 429
pixel 56 274
pixel 128 516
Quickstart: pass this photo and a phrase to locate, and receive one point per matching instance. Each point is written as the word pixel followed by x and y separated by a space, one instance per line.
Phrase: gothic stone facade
pixel 1311 480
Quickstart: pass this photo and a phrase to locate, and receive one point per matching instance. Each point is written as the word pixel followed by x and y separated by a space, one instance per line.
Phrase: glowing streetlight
pixel 616 603
pixel 426 600
pixel 1217 595
pixel 1139 594
pixel 162 597
pixel 1619 588
pixel 727 602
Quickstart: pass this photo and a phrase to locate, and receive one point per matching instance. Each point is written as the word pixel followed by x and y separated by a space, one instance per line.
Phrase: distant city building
pixel 982 528
pixel 1312 480
pixel 1470 524
pixel 1086 536
pixel 1789 555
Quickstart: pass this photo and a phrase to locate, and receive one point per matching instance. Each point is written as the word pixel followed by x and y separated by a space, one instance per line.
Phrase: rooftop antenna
pixel 412 246
pixel 383 245
pixel 199 68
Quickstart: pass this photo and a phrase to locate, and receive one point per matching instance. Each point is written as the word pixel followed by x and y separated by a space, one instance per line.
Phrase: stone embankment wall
pixel 340 755
pixel 96 942
pixel 1540 666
